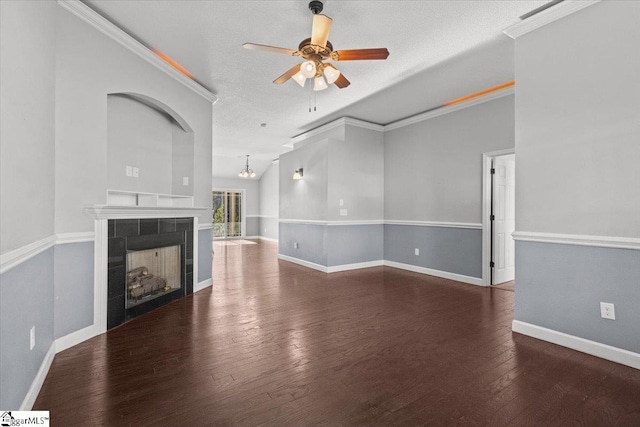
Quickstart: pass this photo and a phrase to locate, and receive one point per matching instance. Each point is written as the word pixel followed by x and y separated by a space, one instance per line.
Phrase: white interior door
pixel 503 208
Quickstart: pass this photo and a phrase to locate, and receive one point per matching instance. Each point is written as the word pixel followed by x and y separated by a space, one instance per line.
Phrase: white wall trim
pixel 356 222
pixel 203 285
pixel 302 221
pixel 97 21
pixel 356 266
pixel 547 16
pixel 75 338
pixel 471 225
pixel 440 111
pixel 99 212
pixel 100 270
pixel 17 256
pixel 82 237
pixel 579 240
pixel 332 125
pixel 205 226
pixel 303 263
pixel 36 384
pixel 604 351
pixel 438 273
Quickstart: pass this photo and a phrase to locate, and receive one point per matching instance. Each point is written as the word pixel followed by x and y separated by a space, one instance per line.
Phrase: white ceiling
pixel 439 50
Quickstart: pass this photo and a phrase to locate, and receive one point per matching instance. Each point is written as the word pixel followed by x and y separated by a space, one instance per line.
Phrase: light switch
pixel 341 202
pixel 343 212
pixel 136 172
pixel 185 180
pixel 129 171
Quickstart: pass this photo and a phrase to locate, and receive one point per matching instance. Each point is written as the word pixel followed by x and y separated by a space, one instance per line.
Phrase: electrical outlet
pixel 129 171
pixel 295 245
pixel 607 311
pixel 136 172
pixel 417 251
pixel 32 338
pixel 185 180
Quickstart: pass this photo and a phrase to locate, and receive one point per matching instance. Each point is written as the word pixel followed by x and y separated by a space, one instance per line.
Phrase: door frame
pixel 487 158
pixel 243 213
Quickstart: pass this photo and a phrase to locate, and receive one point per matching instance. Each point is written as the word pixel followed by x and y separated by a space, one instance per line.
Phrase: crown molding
pixel 97 21
pixel 579 240
pixel 332 125
pixel 449 109
pixel 547 16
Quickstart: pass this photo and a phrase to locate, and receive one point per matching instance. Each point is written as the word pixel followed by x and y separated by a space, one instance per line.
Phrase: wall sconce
pixel 298 174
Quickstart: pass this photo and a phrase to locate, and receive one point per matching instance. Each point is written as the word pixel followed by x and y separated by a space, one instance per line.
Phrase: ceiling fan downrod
pixel 315 6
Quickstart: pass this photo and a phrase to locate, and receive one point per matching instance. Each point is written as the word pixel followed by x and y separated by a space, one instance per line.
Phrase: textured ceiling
pixel 439 50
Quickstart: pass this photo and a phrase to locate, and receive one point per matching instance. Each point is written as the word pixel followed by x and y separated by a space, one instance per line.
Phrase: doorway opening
pixel 228 214
pixel 498 254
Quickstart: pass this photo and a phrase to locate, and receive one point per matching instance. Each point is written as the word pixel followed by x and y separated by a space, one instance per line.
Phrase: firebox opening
pixel 152 273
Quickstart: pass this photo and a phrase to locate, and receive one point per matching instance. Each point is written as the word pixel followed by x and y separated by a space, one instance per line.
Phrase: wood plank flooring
pixel 278 344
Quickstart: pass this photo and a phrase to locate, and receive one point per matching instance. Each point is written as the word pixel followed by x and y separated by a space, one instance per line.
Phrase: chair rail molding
pixel 579 240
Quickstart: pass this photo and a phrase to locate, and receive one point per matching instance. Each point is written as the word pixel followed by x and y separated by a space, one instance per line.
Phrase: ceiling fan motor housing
pixel 315 6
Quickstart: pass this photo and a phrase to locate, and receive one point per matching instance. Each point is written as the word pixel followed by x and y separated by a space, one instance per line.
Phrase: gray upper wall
pixel 356 175
pixel 306 198
pixel 270 191
pixel 578 129
pixel 433 168
pixel 27 122
pixel 89 66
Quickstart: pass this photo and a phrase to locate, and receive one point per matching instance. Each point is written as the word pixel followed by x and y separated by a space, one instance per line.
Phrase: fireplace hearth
pixel 150 263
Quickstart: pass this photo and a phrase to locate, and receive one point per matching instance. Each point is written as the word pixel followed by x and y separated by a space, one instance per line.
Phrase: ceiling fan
pixel 317 49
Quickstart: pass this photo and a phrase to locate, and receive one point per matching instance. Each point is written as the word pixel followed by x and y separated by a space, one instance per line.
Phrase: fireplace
pixel 150 263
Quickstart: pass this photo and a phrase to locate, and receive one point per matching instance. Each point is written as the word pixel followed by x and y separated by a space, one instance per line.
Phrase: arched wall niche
pixel 150 150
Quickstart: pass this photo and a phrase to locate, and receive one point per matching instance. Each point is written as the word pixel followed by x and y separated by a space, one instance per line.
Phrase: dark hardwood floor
pixel 278 344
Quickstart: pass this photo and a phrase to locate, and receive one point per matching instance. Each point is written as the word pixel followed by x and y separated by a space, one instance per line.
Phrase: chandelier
pixel 246 172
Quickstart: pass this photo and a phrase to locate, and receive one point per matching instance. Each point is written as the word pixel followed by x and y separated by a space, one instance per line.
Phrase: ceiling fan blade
pixel 342 81
pixel 360 54
pixel 320 30
pixel 288 74
pixel 264 47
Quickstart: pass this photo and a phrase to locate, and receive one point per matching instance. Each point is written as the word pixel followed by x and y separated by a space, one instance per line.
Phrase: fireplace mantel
pixel 99 212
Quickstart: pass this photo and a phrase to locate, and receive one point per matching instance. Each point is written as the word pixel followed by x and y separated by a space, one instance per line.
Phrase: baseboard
pixel 438 273
pixel 36 385
pixel 303 263
pixel 604 351
pixel 75 338
pixel 202 285
pixel 356 266
pixel 345 267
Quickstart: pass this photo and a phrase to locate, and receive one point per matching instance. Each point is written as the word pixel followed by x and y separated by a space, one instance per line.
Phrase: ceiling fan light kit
pixel 317 49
